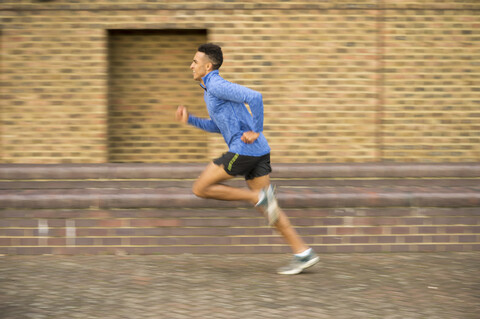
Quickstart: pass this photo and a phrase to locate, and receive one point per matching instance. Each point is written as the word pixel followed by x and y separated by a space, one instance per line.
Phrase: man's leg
pixel 283 224
pixel 208 186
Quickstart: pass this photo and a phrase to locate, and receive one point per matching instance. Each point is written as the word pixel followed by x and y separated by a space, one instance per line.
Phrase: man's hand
pixel 182 114
pixel 249 137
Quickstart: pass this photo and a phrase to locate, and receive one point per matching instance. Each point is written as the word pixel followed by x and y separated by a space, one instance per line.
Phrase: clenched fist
pixel 249 137
pixel 182 114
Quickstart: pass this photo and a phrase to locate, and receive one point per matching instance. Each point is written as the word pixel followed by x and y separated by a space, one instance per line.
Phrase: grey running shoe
pixel 298 264
pixel 268 204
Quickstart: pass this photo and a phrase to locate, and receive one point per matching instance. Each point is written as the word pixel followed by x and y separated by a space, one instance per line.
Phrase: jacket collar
pixel 207 77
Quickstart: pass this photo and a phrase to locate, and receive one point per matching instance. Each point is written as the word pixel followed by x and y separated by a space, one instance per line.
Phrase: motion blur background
pixel 372 110
pixel 86 81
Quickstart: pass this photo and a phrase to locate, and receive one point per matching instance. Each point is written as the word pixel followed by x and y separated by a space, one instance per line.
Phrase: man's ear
pixel 209 66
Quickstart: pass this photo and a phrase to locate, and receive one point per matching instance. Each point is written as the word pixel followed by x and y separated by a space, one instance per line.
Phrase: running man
pixel 249 152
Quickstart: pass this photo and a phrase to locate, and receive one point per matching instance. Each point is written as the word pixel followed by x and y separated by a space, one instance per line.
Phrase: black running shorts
pixel 248 166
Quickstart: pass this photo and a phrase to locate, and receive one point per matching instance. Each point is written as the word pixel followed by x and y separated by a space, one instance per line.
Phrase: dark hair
pixel 214 53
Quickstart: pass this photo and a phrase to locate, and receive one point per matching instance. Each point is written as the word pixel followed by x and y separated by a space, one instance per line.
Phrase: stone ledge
pixel 289 197
pixel 189 171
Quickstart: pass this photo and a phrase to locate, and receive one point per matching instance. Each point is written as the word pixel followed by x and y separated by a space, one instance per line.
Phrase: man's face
pixel 200 66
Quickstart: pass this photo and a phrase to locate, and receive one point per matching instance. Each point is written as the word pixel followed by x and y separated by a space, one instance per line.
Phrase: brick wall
pixel 431 106
pixel 147 69
pixel 343 81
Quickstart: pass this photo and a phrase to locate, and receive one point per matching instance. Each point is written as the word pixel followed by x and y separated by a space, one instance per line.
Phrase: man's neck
pixel 201 80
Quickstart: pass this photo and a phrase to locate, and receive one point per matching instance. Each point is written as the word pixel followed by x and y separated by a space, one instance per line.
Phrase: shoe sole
pixel 272 210
pixel 298 270
pixel 270 207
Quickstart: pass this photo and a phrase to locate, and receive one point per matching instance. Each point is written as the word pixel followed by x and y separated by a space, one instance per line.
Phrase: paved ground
pixel 430 285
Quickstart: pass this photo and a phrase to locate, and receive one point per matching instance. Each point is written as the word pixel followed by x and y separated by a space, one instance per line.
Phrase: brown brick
pixel 441 239
pixel 15 232
pixel 413 239
pixel 359 239
pixel 399 230
pixel 345 231
pixel 386 239
pixel 331 240
pixel 80 241
pixel 468 238
pixel 111 241
pixel 454 229
pixel 110 223
pixel 154 222
pixel 81 232
pixel 428 230
pixel 57 241
pixel 369 248
pixel 373 230
pixel 399 248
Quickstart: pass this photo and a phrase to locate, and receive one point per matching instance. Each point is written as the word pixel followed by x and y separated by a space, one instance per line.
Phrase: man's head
pixel 209 57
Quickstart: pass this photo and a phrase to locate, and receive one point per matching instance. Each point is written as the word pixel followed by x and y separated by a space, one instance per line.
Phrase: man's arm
pixel 205 124
pixel 234 92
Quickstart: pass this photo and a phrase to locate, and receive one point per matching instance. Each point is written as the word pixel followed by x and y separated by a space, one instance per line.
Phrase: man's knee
pixel 199 190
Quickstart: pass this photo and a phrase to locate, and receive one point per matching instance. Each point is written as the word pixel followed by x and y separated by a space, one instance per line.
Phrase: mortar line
pixel 380 85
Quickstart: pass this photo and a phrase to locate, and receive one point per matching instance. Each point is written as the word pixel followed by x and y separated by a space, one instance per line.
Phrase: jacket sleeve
pixel 236 93
pixel 204 124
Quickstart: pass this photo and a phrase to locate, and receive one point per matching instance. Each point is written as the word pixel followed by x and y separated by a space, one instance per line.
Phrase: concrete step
pixel 150 209
pixel 289 197
pixel 280 182
pixel 191 171
pixel 309 185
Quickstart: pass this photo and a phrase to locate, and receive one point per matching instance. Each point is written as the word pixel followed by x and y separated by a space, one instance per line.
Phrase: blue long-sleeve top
pixel 229 115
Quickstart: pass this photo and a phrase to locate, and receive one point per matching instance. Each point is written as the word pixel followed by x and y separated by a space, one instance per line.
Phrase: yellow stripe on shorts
pixel 232 161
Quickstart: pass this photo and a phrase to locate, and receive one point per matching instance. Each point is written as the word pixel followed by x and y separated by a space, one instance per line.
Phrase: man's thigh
pixel 258 183
pixel 212 174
